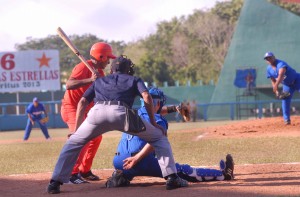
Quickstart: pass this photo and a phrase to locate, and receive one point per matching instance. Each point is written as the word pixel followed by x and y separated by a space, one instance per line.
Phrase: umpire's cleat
pixel 54 187
pixel 90 176
pixel 228 172
pixel 76 179
pixel 174 182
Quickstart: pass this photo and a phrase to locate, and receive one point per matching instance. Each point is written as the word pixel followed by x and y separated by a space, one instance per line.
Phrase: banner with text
pixel 29 71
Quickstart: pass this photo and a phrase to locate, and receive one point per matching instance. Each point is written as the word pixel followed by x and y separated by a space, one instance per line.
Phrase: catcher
pixel 280 72
pixel 36 113
pixel 135 157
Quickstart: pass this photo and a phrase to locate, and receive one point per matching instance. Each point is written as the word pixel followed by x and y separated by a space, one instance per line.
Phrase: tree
pixel 214 33
pixel 288 5
pixel 228 10
pixel 154 69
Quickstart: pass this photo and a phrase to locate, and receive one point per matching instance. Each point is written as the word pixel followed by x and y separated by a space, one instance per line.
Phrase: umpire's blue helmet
pixel 156 94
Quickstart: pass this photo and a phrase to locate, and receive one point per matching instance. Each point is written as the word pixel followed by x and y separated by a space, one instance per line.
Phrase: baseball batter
pixel 114 96
pixel 280 72
pixel 80 80
pixel 35 112
pixel 135 157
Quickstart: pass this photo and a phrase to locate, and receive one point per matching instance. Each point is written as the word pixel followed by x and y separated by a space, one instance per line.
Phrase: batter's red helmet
pixel 100 51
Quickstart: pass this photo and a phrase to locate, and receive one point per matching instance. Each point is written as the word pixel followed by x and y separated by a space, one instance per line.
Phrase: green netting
pixel 262 27
pixel 175 95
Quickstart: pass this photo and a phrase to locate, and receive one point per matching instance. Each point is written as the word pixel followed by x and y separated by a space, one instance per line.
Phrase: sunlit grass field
pixel 19 157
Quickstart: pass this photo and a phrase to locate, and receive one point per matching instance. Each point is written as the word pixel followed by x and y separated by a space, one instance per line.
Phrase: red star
pixel 44 61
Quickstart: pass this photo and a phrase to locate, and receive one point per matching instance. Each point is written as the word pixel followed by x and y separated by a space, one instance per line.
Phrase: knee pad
pixel 208 172
pixel 184 168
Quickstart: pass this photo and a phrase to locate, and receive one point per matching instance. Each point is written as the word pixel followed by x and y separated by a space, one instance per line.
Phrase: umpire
pixel 114 96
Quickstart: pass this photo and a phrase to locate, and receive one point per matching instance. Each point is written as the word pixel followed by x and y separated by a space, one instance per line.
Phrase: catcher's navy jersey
pixel 136 144
pixel 35 112
pixel 289 76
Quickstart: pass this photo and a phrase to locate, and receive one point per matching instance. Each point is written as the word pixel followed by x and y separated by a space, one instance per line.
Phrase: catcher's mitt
pixel 44 120
pixel 117 180
pixel 282 95
pixel 184 111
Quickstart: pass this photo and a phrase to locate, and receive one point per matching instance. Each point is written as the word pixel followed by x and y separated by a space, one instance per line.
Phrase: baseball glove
pixel 282 95
pixel 184 111
pixel 117 180
pixel 44 120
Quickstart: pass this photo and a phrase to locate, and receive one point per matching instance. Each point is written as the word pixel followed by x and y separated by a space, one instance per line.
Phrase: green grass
pixel 31 157
pixel 11 135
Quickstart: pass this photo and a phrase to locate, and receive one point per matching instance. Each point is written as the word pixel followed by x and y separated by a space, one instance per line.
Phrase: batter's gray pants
pixel 103 118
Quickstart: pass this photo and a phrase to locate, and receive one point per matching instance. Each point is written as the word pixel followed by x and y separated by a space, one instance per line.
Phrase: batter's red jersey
pixel 72 97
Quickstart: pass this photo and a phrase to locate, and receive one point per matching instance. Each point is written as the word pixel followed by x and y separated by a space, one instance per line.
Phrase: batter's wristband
pixel 171 109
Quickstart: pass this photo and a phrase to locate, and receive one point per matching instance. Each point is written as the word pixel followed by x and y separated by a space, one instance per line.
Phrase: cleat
pixel 76 179
pixel 287 122
pixel 54 187
pixel 90 176
pixel 228 172
pixel 175 182
pixel 117 180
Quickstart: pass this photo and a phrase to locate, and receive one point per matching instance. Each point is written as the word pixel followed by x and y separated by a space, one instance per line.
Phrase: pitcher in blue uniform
pixel 135 157
pixel 35 112
pixel 280 72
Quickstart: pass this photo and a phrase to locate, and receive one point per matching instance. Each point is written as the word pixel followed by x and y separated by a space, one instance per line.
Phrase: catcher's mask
pixel 156 94
pixel 122 64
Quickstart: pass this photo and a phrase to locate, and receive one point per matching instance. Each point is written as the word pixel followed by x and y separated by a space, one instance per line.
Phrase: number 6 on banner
pixel 7 62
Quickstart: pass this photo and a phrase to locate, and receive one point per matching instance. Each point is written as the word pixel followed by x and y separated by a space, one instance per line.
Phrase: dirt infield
pixel 255 128
pixel 251 180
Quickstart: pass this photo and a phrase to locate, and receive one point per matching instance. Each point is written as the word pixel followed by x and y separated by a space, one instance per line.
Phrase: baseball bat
pixel 67 40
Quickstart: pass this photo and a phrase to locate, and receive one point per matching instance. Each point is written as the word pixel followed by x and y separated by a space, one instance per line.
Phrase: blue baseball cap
pixel 35 99
pixel 268 54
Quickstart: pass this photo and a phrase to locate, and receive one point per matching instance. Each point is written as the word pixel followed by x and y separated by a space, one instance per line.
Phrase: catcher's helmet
pixel 122 64
pixel 156 94
pixel 100 51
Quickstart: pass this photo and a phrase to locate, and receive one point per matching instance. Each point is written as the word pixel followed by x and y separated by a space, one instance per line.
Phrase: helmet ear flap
pixel 103 58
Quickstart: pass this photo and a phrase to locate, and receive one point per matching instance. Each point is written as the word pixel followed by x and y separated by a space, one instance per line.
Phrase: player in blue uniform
pixel 35 111
pixel 135 157
pixel 280 72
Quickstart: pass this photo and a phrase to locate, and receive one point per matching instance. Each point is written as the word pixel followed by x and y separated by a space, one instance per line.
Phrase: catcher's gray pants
pixel 102 118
